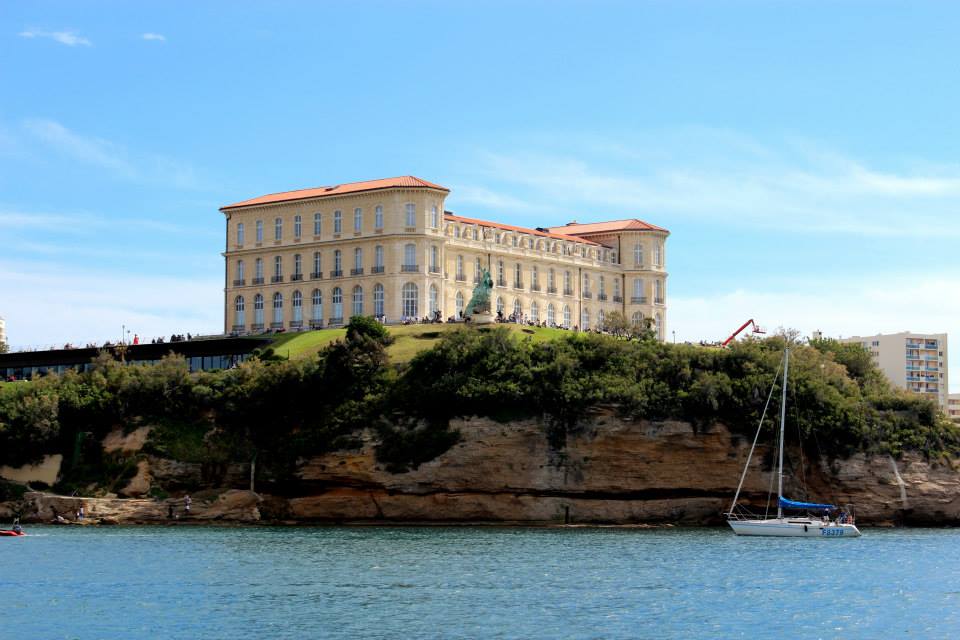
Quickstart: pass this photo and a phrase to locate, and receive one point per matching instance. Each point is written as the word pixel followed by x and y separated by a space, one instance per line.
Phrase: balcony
pixel 602 297
pixel 356 272
pixel 257 281
pixel 295 277
pixel 551 289
pixel 377 269
pixel 296 324
pixel 316 275
pixel 587 295
pixel 239 283
pixel 335 321
pixel 568 292
pixel 239 328
pixel 256 327
pixel 535 287
pixel 618 298
pixel 316 324
pixel 338 273
pixel 658 300
pixel 276 325
pixel 276 279
pixel 434 268
pixel 518 285
pixel 409 268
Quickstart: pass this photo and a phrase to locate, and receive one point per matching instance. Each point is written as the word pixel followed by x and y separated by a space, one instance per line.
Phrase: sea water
pixel 469 582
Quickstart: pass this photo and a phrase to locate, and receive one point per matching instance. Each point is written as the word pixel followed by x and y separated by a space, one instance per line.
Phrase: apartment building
pixel 388 248
pixel 914 361
pixel 3 331
pixel 953 406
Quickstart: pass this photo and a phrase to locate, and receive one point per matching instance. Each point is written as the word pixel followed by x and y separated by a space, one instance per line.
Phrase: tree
pixel 4 348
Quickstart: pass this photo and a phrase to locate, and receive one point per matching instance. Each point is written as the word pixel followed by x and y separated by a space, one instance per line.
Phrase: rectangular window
pixel 259 230
pixel 434 217
pixel 240 234
pixel 411 215
pixel 316 224
pixel 278 229
pixel 297 265
pixel 378 256
pixel 297 226
pixel 358 258
pixel 357 220
pixel 337 221
pixel 378 217
pixel 317 264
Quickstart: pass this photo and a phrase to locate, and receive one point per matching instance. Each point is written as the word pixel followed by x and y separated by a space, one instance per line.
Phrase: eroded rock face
pixel 613 472
pixel 229 506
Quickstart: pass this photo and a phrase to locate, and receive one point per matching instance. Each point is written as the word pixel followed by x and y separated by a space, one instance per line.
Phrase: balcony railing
pixel 316 275
pixel 256 327
pixel 316 324
pixel 618 298
pixel 658 300
pixel 296 324
pixel 602 297
pixel 276 325
pixel 501 283
pixel 239 328
pixel 335 321
pixel 297 276
pixel 551 289
pixel 276 279
pixel 568 292
pixel 376 269
pixel 336 273
pixel 257 281
pixel 239 283
pixel 356 272
pixel 535 287
pixel 410 268
pixel 434 268
pixel 460 277
pixel 587 294
pixel 518 284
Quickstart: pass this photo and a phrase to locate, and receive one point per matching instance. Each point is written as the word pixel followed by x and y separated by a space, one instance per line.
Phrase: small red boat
pixel 9 533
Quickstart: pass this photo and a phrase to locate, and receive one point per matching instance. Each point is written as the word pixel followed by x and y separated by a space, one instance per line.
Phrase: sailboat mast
pixel 783 421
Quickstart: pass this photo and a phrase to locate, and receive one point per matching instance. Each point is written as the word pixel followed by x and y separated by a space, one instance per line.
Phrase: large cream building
pixel 913 361
pixel 388 248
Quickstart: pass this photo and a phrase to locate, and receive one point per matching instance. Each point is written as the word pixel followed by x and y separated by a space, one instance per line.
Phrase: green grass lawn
pixel 408 340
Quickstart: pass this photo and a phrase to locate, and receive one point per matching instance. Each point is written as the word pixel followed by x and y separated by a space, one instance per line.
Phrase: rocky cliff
pixel 613 471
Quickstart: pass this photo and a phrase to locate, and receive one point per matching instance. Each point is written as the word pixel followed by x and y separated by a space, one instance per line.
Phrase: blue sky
pixel 804 155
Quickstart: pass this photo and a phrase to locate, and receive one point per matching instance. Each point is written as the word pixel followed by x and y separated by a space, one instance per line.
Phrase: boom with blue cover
pixel 805 506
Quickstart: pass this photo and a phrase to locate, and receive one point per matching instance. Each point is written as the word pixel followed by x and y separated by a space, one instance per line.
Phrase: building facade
pixel 3 331
pixel 388 248
pixel 953 406
pixel 913 361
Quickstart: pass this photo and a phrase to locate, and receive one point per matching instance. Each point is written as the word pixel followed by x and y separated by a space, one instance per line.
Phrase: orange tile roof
pixel 509 227
pixel 338 190
pixel 590 228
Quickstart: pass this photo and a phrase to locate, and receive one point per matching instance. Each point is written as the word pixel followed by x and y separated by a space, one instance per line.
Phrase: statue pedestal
pixel 481 318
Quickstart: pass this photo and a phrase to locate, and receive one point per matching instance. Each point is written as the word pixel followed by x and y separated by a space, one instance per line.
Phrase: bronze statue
pixel 480 302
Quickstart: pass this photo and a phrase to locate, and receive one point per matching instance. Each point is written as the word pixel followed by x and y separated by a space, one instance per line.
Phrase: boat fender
pixel 804 528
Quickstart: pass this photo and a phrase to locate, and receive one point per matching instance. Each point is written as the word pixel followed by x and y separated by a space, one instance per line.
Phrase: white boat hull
pixel 793 528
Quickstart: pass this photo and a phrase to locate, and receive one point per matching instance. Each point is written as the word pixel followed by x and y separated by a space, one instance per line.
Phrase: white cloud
pixel 55 306
pixel 154 36
pixel 69 38
pixel 721 177
pixel 911 302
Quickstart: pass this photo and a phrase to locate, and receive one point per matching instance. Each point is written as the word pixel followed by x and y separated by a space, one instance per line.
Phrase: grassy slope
pixel 410 339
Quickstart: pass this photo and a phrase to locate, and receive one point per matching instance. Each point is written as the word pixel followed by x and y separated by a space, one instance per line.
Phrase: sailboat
pixel 818 520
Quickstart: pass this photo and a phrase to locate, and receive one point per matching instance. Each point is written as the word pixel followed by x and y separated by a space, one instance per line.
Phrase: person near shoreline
pixel 186 504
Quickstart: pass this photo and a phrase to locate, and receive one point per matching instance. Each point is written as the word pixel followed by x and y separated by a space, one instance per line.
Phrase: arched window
pixel 658 325
pixel 337 304
pixel 378 300
pixel 551 315
pixel 410 256
pixel 278 308
pixel 566 316
pixel 337 221
pixel 277 267
pixel 316 224
pixel 258 310
pixel 434 299
pixel 316 309
pixel 459 304
pixel 297 226
pixel 378 257
pixel 410 295
pixel 357 220
pixel 240 271
pixel 297 306
pixel 240 234
pixel 535 312
pixel 517 309
pixel 499 305
pixel 411 211
pixel 637 319
pixel 378 217
pixel 278 228
pixel 585 319
pixel 238 308
pixel 638 255
pixel 358 300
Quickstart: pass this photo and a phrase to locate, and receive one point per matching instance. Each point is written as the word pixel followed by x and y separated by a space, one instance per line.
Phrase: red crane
pixel 756 329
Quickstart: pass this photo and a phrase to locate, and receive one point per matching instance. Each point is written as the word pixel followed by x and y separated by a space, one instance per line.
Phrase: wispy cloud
pixel 722 177
pixel 92 150
pixel 154 36
pixel 69 38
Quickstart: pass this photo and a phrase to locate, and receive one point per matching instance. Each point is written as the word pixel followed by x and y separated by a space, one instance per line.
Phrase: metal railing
pixel 409 268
